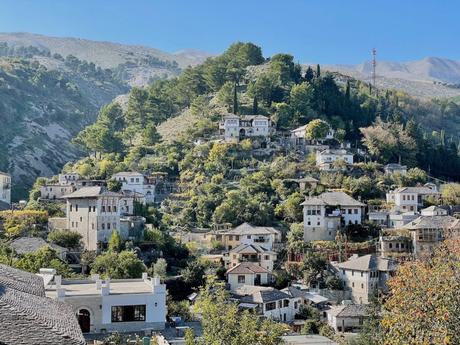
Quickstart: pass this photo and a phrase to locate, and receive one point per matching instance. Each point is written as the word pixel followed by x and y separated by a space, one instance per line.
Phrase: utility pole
pixel 374 65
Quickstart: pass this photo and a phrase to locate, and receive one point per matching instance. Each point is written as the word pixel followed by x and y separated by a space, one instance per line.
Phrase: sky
pixel 316 31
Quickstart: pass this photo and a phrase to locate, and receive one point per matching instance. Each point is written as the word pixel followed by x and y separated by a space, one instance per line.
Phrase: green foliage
pixel 193 274
pixel 115 241
pixel 43 258
pixel 179 308
pixel 160 267
pixel 290 210
pixel 150 135
pixel 65 238
pixel 123 265
pixel 316 129
pixel 451 193
pixel 313 267
pixel 114 185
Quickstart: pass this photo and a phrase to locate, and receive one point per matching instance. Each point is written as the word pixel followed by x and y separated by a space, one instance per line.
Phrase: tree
pixel 309 75
pixel 224 324
pixel 451 193
pixel 427 290
pixel 235 100
pixel 45 257
pixel 226 95
pixel 318 71
pixel 193 274
pixel 123 265
pixel 255 106
pixel 65 238
pixel 313 267
pixel 316 129
pixel 300 101
pixel 115 241
pixel 290 209
pixel 160 267
pixel 150 135
pixel 114 185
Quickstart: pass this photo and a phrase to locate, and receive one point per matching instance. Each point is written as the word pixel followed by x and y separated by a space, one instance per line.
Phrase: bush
pixel 65 238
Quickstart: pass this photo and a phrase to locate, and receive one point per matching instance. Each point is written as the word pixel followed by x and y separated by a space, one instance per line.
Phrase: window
pixel 70 207
pixel 362 286
pixel 103 226
pixel 390 245
pixel 353 284
pixel 137 179
pixel 308 223
pixel 248 237
pixel 92 226
pixel 73 224
pixel 286 303
pixel 361 274
pixel 76 207
pixel 296 305
pixel 108 226
pixel 237 237
pixel 349 211
pixel 230 238
pixel 267 257
pixel 103 208
pixel 355 211
pixel 109 208
pixel 319 223
pixel 128 313
pixel 352 273
pixel 241 279
pixel 270 306
pixel 81 219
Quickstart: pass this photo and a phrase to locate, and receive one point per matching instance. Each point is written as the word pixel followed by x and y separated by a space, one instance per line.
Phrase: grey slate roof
pixel 27 317
pixel 419 190
pixel 90 192
pixel 351 310
pixel 431 222
pixel 259 294
pixel 248 229
pixel 24 245
pixel 249 249
pixel 369 262
pixel 333 199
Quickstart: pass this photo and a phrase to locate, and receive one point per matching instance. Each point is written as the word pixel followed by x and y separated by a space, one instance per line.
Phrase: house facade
pixel 118 305
pixel 68 178
pixel 325 159
pixel 250 253
pixel 137 183
pixel 347 318
pixel 234 127
pixel 5 188
pixel 267 237
pixel 395 168
pixel 365 276
pixel 323 215
pixel 410 199
pixel 94 213
pixel 247 273
pixel 55 191
pixel 269 302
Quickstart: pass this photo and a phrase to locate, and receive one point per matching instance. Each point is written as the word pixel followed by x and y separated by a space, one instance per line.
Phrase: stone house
pixel 247 273
pixel 410 199
pixel 267 237
pixel 5 189
pixel 325 159
pixel 250 253
pixel 136 182
pixel 347 318
pixel 234 127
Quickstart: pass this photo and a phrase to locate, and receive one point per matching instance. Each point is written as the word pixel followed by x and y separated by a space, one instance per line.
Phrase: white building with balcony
pixel 234 127
pixel 410 199
pixel 68 178
pixel 324 214
pixel 118 305
pixel 250 253
pixel 137 183
pixel 265 236
pixel 5 190
pixel 365 276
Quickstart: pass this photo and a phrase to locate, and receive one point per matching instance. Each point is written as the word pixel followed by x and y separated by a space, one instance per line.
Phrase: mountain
pixel 135 64
pixel 51 88
pixel 432 77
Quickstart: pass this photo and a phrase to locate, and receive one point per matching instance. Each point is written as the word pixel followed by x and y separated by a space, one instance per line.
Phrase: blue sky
pixel 325 31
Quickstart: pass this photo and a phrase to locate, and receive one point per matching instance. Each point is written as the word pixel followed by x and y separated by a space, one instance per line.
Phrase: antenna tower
pixel 374 65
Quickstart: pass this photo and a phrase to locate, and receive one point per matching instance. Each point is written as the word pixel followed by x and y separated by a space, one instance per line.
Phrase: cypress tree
pixel 309 75
pixel 318 71
pixel 347 90
pixel 235 100
pixel 255 106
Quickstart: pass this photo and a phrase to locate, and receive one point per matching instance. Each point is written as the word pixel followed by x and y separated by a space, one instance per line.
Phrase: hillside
pixel 137 65
pixel 431 77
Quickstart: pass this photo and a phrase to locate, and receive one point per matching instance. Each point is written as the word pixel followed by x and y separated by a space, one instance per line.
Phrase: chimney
pixel 156 281
pixel 98 284
pixel 58 281
pixel 145 276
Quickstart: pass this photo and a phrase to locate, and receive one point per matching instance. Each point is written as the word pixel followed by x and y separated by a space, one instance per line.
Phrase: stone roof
pixel 431 222
pixel 337 152
pixel 247 268
pixel 259 294
pixel 24 245
pixel 332 199
pixel 350 310
pixel 4 174
pixel 248 229
pixel 419 190
pixel 369 262
pixel 127 173
pixel 249 249
pixel 28 317
pixel 91 192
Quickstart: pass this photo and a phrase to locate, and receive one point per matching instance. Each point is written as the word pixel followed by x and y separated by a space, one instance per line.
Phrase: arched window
pixel 84 320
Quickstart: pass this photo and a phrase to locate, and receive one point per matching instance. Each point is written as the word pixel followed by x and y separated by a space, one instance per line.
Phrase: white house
pixel 250 253
pixel 55 191
pixel 94 213
pixel 269 302
pixel 121 305
pixel 347 317
pixel 399 219
pixel 394 168
pixel 365 276
pixel 234 127
pixel 323 215
pixel 245 233
pixel 326 158
pixel 406 199
pixel 137 183
pixel 5 189
pixel 247 273
pixel 434 211
pixel 68 178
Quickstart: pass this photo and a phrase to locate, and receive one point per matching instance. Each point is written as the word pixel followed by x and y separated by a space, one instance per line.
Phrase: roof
pixel 350 310
pixel 418 190
pixel 333 199
pixel 369 262
pixel 299 129
pixel 247 268
pixel 394 166
pixel 259 294
pixel 249 249
pixel 295 292
pixel 430 222
pixel 4 174
pixel 91 192
pixel 340 152
pixel 28 317
pixel 248 229
pixel 127 173
pixel 24 245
